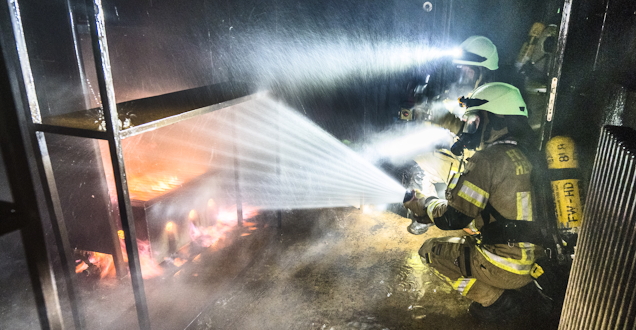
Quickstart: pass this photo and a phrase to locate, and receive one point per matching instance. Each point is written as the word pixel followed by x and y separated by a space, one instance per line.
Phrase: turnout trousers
pixel 458 261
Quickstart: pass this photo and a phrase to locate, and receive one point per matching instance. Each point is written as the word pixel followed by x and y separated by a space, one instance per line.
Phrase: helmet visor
pixel 471 122
pixel 467 56
pixel 465 102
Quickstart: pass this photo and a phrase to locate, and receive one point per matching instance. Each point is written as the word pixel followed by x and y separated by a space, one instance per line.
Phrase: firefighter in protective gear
pixel 492 194
pixel 479 57
pixel 475 66
pixel 478 60
pixel 437 94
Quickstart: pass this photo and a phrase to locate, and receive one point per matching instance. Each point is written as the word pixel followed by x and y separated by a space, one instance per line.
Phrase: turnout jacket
pixel 498 177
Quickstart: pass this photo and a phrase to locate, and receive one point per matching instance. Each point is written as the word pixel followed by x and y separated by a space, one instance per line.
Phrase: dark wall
pixel 5 191
pixel 281 44
pixel 52 56
pixel 504 22
pixel 162 46
pixel 598 83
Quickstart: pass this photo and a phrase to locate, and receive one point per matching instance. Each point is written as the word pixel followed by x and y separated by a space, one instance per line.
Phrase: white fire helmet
pixel 479 51
pixel 498 98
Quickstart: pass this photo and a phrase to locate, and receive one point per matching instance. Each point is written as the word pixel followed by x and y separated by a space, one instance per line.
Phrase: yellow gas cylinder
pixel 528 47
pixel 565 178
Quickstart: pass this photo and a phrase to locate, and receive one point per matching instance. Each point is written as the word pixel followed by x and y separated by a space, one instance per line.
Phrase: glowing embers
pixel 216 231
pixel 101 265
pixel 223 231
pixel 225 221
pixel 94 264
pixel 160 161
pixel 146 187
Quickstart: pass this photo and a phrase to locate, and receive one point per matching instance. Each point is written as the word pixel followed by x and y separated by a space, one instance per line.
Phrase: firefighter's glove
pixel 418 228
pixel 448 121
pixel 417 202
pixel 413 194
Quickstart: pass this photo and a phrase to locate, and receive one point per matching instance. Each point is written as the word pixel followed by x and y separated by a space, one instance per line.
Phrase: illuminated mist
pixel 286 161
pixel 404 143
pixel 326 63
pixel 261 152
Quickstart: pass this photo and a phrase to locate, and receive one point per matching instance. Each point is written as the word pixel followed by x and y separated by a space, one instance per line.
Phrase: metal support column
pixel 546 129
pixel 22 215
pixel 237 176
pixel 107 94
pixel 59 227
pixel 16 67
pixel 279 212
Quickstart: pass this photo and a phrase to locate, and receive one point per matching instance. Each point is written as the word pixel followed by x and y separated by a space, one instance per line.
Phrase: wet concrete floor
pixel 334 269
pixel 341 269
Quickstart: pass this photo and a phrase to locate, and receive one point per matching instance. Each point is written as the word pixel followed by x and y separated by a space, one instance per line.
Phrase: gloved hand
pixel 428 187
pixel 412 195
pixel 413 201
pixel 418 228
pixel 416 201
pixel 448 121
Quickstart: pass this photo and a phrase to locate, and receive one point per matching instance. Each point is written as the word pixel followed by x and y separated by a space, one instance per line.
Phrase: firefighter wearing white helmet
pixel 478 60
pixel 476 64
pixel 493 197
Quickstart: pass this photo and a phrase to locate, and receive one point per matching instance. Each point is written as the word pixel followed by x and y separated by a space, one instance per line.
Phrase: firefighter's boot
pixel 538 304
pixel 506 308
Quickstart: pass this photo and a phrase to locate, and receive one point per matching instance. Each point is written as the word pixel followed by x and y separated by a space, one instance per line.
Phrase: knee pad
pixel 434 246
pixel 425 250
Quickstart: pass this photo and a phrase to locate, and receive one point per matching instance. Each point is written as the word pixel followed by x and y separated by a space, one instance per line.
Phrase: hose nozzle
pixel 410 194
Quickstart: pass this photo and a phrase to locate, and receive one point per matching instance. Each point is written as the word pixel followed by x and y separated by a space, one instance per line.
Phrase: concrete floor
pixel 335 269
pixel 341 269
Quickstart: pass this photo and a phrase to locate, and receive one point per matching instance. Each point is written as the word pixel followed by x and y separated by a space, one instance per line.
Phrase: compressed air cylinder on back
pixel 565 178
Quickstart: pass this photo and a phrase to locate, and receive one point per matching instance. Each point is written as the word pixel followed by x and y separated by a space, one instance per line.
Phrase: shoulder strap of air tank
pixel 489 211
pixel 506 231
pixel 543 202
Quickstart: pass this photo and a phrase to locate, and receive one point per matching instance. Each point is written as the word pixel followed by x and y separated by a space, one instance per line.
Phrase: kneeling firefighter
pixel 494 197
pixel 476 66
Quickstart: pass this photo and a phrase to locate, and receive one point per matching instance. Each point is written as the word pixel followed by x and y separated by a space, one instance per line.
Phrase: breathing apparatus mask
pixel 479 56
pixel 470 136
pixel 472 129
pixel 485 105
pixel 470 72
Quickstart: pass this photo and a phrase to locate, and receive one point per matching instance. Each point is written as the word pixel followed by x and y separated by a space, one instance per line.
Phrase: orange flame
pixel 154 166
pixel 101 261
pixel 149 268
pixel 170 227
pixel 82 266
pixel 226 221
pixel 205 236
pixel 104 264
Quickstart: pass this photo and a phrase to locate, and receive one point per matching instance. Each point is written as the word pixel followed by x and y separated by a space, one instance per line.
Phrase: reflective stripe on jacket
pixel 499 175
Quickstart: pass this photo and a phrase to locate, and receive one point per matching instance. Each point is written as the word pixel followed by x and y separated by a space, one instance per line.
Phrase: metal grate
pixel 601 293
